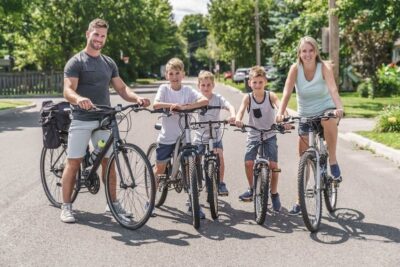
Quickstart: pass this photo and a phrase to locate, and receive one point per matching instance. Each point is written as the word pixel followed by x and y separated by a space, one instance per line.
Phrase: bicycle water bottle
pixel 100 145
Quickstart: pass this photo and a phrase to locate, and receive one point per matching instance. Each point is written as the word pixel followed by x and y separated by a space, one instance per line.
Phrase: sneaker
pixel 201 213
pixel 335 171
pixel 247 196
pixel 153 212
pixel 295 210
pixel 276 202
pixel 222 190
pixel 119 209
pixel 66 213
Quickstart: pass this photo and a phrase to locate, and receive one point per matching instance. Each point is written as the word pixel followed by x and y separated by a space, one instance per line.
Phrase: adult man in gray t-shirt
pixel 87 77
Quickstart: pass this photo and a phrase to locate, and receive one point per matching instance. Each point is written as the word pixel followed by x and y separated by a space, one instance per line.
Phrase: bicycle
pixel 182 171
pixel 314 175
pixel 262 172
pixel 134 186
pixel 211 165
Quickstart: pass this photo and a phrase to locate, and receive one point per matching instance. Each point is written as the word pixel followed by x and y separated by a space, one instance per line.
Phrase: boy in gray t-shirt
pixel 173 96
pixel 206 86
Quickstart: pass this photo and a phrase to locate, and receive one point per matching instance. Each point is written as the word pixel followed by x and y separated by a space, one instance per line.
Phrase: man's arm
pixel 126 93
pixel 70 94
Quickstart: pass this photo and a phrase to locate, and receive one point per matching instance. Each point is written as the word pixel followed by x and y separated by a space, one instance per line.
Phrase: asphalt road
pixel 364 231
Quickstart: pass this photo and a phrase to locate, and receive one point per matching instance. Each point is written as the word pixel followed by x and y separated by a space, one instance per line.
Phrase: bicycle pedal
pixel 276 170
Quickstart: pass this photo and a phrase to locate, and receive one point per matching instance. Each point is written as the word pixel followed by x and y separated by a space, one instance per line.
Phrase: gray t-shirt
pixel 170 130
pixel 202 135
pixel 94 74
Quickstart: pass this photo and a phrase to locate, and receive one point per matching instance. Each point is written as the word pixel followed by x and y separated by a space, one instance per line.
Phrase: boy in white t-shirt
pixel 173 96
pixel 206 86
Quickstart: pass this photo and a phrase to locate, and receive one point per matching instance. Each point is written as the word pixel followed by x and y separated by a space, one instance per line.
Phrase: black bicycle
pixel 314 175
pixel 182 171
pixel 262 172
pixel 130 192
pixel 211 164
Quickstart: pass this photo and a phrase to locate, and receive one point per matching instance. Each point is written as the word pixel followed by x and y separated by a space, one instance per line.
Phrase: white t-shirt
pixel 171 130
pixel 202 135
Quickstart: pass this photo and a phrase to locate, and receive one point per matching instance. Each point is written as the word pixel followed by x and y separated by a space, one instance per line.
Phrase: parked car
pixel 272 73
pixel 240 74
pixel 227 75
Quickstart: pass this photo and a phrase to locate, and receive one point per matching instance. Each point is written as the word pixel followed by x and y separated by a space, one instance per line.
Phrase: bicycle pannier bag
pixel 55 121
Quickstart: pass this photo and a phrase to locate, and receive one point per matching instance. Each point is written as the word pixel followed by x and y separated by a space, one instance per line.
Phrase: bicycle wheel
pixel 52 164
pixel 212 187
pixel 330 190
pixel 190 173
pixel 260 193
pixel 130 193
pixel 309 194
pixel 162 186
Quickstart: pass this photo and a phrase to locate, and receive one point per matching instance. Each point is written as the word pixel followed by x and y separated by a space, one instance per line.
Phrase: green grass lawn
pixel 389 139
pixel 7 104
pixel 145 80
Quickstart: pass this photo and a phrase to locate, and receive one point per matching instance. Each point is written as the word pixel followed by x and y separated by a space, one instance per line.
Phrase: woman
pixel 317 93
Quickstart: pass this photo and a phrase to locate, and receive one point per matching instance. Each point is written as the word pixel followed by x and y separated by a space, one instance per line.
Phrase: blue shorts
pixel 201 148
pixel 270 149
pixel 305 128
pixel 164 152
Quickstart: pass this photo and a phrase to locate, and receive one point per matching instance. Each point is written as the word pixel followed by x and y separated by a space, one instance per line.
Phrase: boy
pixel 206 86
pixel 173 96
pixel 261 106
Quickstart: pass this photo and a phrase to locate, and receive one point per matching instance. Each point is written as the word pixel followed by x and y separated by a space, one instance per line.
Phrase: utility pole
pixel 334 39
pixel 257 23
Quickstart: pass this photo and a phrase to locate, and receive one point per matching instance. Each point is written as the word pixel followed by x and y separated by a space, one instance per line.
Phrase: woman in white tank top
pixel 316 92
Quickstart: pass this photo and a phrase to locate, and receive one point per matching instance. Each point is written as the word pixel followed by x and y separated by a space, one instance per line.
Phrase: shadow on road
pixel 18 120
pixel 353 226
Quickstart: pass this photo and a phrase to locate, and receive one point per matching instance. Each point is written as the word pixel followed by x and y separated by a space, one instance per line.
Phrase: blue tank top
pixel 313 97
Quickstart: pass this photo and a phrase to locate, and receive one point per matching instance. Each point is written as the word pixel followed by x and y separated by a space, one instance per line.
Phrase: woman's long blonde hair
pixel 313 43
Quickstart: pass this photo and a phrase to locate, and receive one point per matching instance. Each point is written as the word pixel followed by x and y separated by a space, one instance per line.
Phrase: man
pixel 87 76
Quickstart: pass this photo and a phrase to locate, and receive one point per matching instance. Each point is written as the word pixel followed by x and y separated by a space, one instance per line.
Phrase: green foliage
pixel 388 81
pixel 389 120
pixel 364 89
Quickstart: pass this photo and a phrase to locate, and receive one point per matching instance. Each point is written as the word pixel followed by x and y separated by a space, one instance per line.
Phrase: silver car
pixel 240 74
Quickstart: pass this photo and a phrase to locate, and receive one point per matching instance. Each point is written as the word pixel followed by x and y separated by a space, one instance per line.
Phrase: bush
pixel 388 81
pixel 364 89
pixel 389 119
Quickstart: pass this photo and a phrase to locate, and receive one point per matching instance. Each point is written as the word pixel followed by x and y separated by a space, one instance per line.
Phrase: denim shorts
pixel 305 128
pixel 270 149
pixel 164 152
pixel 201 148
pixel 80 132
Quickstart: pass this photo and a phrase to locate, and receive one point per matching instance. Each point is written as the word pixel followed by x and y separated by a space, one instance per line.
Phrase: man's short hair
pixel 257 71
pixel 98 23
pixel 205 74
pixel 175 64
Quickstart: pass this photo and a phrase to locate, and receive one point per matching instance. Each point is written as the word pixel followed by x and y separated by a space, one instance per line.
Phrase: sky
pixel 185 7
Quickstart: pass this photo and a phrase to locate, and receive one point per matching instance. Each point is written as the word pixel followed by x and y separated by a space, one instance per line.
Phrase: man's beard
pixel 95 47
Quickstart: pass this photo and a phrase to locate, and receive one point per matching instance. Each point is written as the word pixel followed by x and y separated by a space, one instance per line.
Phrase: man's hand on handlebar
pixel 144 102
pixel 84 103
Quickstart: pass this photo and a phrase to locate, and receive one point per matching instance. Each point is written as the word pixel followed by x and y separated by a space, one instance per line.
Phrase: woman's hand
pixel 339 113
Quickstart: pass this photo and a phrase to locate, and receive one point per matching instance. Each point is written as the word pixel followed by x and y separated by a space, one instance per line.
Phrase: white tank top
pixel 267 112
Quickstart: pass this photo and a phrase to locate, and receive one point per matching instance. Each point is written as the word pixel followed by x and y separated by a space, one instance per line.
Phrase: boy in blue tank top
pixel 261 106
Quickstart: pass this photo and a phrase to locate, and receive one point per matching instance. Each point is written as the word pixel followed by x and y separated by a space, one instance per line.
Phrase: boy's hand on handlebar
pixel 231 120
pixel 239 123
pixel 279 118
pixel 84 103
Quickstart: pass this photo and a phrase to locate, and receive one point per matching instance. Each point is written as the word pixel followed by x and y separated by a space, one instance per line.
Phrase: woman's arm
pixel 287 90
pixel 327 72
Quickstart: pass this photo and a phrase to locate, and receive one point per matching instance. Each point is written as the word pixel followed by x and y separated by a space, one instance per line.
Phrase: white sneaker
pixel 119 209
pixel 66 213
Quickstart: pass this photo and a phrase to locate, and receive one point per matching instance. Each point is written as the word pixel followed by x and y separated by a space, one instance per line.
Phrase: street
pixel 364 231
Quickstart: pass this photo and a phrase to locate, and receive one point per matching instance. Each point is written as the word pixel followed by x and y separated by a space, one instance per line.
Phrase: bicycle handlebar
pixel 328 115
pixel 279 128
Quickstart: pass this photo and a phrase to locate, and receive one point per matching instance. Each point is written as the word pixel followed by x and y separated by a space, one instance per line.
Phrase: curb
pixel 17 109
pixel 379 149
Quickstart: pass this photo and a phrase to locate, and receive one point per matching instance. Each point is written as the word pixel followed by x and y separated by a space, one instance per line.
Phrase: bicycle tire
pixel 132 206
pixel 190 171
pixel 330 191
pixel 212 187
pixel 162 189
pixel 260 192
pixel 52 164
pixel 308 193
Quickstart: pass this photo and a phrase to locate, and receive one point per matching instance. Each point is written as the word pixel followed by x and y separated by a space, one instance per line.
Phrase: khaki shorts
pixel 80 132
